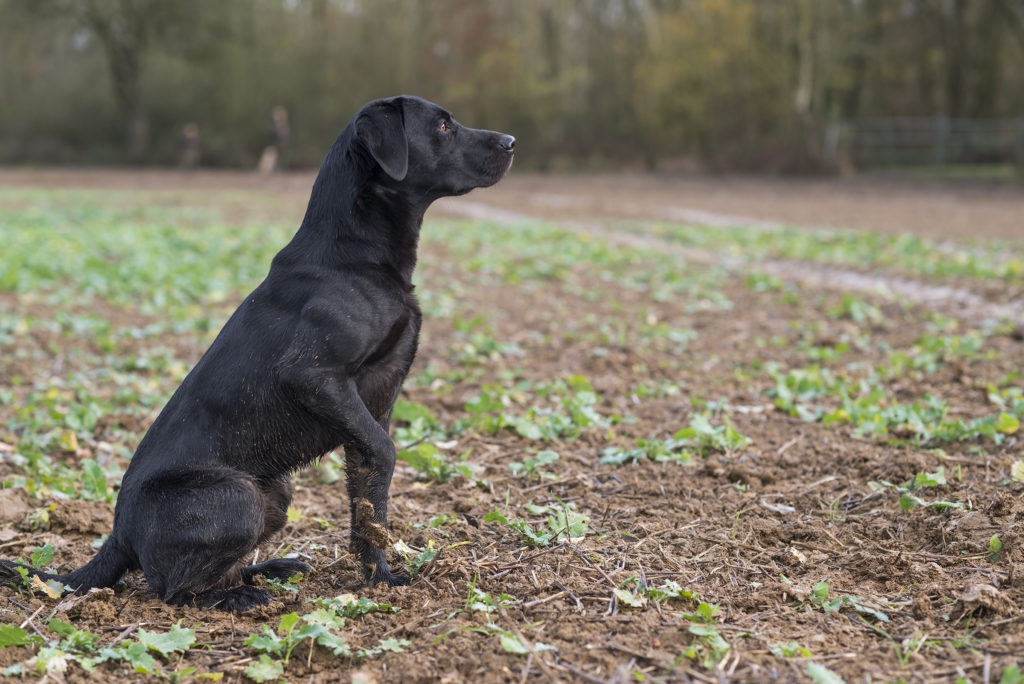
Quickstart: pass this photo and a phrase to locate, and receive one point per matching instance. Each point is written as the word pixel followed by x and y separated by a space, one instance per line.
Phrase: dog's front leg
pixel 369 461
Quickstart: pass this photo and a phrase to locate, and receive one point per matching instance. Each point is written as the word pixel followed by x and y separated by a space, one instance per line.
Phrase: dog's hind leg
pixel 277 495
pixel 199 526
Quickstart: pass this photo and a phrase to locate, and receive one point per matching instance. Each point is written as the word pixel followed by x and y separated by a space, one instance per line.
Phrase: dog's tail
pixel 105 568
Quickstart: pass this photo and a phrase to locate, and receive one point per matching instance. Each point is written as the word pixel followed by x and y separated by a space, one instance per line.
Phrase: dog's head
pixel 422 148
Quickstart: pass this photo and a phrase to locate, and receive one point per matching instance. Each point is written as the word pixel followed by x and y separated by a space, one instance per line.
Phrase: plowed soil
pixel 752 529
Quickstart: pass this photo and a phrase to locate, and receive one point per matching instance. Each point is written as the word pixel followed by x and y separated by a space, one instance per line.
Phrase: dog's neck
pixel 354 218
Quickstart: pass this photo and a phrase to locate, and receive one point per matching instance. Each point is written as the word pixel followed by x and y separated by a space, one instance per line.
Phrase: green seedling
pixel 669 591
pixel 660 451
pixel 415 559
pixel 819 674
pixel 1012 675
pixel 12 635
pixel 995 548
pixel 289 584
pixel 907 491
pixel 415 423
pixel 574 410
pixel 830 604
pixel 707 438
pixel 563 521
pixel 511 643
pixel 789 649
pixel 531 466
pixel 480 601
pixel 266 669
pixel 384 646
pixel 428 461
pixel 352 606
pixel 700 439
pixel 41 556
pixel 289 634
pixel 80 646
pixel 522 527
pixel 708 648
pixel 438 521
pixel 857 310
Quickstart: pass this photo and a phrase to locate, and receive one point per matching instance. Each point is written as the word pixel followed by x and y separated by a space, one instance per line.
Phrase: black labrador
pixel 312 360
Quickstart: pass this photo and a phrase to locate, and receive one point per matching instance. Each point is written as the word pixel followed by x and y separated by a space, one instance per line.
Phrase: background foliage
pixel 726 83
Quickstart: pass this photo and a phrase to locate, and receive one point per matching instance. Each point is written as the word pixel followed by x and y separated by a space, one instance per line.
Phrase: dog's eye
pixel 443 126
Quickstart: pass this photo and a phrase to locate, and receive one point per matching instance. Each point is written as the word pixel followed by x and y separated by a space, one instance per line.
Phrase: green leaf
pixel 287 623
pixel 790 649
pixel 334 643
pixel 178 640
pixel 1012 675
pixel 265 669
pixel 326 617
pixel 51 661
pixel 94 481
pixel 11 635
pixel 528 429
pixel 410 411
pixel 930 479
pixel 268 642
pixel 138 657
pixel 1007 423
pixel 822 675
pixel 511 644
pixel 73 639
pixel 394 645
pixel 995 547
pixel 629 599
pixel 496 516
pixel 42 556
pixel 1017 471
pixel 861 607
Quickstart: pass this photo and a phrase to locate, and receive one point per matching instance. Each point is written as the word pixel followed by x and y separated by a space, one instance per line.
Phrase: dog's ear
pixel 381 128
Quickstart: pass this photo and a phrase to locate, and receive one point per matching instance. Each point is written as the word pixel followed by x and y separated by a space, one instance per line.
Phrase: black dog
pixel 312 360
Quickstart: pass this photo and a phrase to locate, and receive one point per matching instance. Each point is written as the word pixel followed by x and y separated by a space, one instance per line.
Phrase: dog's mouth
pixel 497 171
pixel 505 168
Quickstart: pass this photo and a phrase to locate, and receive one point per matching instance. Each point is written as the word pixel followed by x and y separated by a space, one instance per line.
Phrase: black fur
pixel 312 360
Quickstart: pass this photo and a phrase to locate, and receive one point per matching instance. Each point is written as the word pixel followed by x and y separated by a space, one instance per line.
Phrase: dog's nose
pixel 507 142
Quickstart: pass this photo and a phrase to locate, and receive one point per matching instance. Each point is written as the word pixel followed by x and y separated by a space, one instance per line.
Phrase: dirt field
pixel 938 210
pixel 654 451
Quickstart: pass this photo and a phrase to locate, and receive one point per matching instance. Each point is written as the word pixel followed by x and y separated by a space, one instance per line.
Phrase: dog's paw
pixel 237 600
pixel 241 599
pixel 389 578
pixel 8 572
pixel 277 568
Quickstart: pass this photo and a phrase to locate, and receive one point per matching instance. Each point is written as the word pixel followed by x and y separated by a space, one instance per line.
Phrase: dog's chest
pixel 381 376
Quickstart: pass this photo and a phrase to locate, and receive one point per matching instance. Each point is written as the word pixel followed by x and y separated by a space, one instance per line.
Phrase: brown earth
pixel 752 529
pixel 938 210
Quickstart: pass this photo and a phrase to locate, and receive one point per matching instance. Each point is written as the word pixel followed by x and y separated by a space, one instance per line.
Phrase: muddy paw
pixel 235 600
pixel 388 577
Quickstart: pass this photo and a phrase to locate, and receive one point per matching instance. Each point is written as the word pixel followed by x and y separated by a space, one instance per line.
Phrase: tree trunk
pixel 124 36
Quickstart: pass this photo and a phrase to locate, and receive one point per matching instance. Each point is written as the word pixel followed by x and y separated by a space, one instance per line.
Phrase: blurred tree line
pixel 729 84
